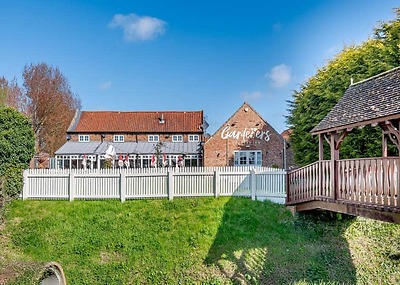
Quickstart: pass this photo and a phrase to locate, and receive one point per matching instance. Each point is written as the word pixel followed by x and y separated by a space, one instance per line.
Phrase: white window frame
pixel 177 138
pixel 119 138
pixel 84 138
pixel 245 158
pixel 194 138
pixel 153 138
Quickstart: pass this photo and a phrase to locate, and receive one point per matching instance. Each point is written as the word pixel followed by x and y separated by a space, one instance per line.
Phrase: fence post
pixel 122 185
pixel 71 185
pixel 253 184
pixel 25 187
pixel 216 183
pixel 287 186
pixel 170 185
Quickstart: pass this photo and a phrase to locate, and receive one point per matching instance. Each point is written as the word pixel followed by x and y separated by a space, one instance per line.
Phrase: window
pixel 84 138
pixel 193 138
pixel 177 138
pixel 192 161
pixel 118 138
pixel 248 157
pixel 153 138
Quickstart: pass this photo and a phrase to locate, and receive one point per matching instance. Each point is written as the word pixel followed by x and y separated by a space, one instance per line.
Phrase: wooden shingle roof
pixel 373 100
pixel 137 122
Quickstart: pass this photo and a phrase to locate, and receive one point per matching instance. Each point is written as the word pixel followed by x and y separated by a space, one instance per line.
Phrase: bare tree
pixel 50 104
pixel 11 95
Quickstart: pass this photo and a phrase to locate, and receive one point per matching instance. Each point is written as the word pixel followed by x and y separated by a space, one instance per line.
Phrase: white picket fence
pixel 123 184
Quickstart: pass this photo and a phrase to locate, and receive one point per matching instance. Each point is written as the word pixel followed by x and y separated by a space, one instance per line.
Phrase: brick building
pixel 247 139
pixel 133 138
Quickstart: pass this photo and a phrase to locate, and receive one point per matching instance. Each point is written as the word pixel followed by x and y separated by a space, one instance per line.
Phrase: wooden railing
pixel 309 182
pixel 368 181
pixel 372 181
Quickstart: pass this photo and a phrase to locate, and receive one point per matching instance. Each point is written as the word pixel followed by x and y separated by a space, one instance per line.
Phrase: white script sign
pixel 247 133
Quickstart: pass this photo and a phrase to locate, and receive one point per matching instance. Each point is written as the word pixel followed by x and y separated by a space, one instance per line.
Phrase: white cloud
pixel 280 75
pixel 138 28
pixel 251 96
pixel 105 85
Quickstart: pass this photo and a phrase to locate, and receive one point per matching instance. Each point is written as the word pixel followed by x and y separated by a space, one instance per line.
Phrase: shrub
pixel 17 147
pixel 12 181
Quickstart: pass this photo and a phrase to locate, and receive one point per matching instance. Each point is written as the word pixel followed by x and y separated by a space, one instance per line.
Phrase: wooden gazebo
pixel 368 186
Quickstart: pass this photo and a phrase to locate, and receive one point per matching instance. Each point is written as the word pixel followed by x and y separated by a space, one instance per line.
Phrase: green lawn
pixel 196 241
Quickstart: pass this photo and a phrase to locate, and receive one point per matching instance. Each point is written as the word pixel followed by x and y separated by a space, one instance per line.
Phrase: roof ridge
pixel 103 111
pixel 106 121
pixel 74 120
pixel 376 76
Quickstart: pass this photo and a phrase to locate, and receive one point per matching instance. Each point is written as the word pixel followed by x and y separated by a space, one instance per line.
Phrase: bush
pixel 12 181
pixel 17 147
pixel 17 142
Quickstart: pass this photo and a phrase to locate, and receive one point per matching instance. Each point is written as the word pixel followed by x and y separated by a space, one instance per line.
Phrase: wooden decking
pixel 367 187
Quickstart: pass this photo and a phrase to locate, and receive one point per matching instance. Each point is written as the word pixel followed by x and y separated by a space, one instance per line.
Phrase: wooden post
pixel 216 183
pixel 170 185
pixel 320 159
pixel 71 185
pixel 122 185
pixel 253 184
pixel 396 202
pixel 320 148
pixel 384 145
pixel 334 157
pixel 287 177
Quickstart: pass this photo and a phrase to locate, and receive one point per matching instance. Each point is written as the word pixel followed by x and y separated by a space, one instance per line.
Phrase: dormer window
pixel 153 138
pixel 84 138
pixel 118 138
pixel 177 138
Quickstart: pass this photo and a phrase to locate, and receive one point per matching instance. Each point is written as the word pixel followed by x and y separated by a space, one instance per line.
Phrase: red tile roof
pixel 137 122
pixel 286 134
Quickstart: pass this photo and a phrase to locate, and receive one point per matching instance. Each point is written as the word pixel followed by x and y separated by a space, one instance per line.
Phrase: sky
pixel 169 55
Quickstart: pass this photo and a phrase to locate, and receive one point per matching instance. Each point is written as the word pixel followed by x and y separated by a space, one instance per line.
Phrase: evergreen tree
pixel 322 91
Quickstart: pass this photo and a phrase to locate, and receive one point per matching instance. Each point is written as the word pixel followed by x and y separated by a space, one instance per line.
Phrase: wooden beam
pixel 320 205
pixel 354 210
pixel 392 132
pixel 357 124
pixel 390 217
pixel 335 139
pixel 326 137
pixel 340 139
pixel 320 148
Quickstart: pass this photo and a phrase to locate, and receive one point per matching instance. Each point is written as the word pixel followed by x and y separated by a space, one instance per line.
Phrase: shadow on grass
pixel 261 243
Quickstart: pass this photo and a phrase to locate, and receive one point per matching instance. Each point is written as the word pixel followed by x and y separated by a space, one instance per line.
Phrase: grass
pixel 195 241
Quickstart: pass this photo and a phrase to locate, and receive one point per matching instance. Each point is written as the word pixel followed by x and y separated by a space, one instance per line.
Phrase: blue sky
pixel 184 55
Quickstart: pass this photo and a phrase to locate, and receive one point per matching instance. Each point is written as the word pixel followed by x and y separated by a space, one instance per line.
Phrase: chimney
pixel 161 119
